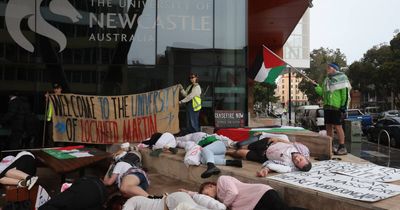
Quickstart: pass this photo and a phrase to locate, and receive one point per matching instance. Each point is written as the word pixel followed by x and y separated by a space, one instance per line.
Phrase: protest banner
pixel 114 119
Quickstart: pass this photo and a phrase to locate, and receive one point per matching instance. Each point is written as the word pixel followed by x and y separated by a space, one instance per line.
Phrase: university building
pixel 297 53
pixel 114 47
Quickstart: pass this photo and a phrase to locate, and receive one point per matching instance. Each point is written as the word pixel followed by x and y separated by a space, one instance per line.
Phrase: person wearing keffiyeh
pixel 335 92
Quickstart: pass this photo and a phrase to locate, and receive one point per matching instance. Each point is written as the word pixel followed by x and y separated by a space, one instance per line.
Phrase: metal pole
pixel 290 97
pixel 45 120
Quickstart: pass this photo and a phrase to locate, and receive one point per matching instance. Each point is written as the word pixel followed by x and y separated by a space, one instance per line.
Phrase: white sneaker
pixel 341 151
pixel 31 182
pixel 21 184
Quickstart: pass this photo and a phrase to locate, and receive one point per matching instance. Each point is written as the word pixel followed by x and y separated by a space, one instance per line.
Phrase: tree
pixel 318 61
pixel 378 72
pixel 393 69
pixel 264 93
pixel 369 75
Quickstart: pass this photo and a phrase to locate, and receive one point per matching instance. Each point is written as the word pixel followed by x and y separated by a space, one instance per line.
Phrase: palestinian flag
pixel 269 67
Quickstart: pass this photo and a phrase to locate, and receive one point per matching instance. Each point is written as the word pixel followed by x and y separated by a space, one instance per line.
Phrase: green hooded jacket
pixel 335 91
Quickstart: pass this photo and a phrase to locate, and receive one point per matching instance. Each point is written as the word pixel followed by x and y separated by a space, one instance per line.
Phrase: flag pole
pixel 45 121
pixel 301 73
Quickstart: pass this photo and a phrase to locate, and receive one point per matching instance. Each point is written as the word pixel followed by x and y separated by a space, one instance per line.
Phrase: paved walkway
pixel 380 155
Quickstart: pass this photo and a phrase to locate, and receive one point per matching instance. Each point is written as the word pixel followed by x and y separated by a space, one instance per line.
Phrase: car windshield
pixel 397 119
pixel 394 113
pixel 372 109
pixel 354 112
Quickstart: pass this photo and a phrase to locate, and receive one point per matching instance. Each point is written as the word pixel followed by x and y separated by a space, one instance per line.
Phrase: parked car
pixel 390 113
pixel 314 119
pixel 373 111
pixel 366 120
pixel 389 124
pixel 300 113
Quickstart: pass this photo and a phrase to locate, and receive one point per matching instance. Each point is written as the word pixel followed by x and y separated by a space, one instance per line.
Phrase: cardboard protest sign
pixel 367 170
pixel 114 119
pixel 340 185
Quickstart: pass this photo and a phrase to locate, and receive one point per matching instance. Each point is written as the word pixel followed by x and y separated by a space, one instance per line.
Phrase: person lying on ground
pixel 212 153
pixel 237 195
pixel 19 171
pixel 276 154
pixel 126 172
pixel 174 201
pixel 160 142
pixel 86 193
pixel 198 136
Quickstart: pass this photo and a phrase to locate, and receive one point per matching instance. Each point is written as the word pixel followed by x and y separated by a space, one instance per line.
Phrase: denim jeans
pixel 192 119
pixel 214 153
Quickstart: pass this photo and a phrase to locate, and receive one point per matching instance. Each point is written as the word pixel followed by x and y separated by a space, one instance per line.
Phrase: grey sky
pixel 353 26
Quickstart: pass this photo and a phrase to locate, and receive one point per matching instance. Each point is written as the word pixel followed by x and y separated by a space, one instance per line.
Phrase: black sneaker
pixel 210 171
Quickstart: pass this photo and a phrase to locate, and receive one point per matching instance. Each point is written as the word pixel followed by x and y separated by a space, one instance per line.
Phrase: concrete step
pixel 171 165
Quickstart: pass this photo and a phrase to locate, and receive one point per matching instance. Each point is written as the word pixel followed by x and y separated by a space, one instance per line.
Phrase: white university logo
pixel 19 9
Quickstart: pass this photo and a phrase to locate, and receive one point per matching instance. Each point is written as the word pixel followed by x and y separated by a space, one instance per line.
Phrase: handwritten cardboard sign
pixel 340 185
pixel 356 181
pixel 114 119
pixel 359 170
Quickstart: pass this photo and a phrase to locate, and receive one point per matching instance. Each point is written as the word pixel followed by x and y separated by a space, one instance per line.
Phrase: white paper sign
pixel 41 197
pixel 340 185
pixel 367 170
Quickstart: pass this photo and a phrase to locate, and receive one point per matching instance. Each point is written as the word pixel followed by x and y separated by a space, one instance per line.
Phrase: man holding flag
pixel 335 92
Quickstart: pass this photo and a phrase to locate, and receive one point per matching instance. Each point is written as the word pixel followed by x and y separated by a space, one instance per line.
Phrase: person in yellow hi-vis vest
pixel 193 103
pixel 57 89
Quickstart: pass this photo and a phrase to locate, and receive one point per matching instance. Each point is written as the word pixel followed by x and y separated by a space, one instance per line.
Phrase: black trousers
pixel 25 163
pixel 271 201
pixel 257 151
pixel 87 193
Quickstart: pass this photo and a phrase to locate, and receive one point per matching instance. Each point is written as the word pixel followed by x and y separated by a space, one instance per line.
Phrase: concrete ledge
pixel 171 165
pixel 15 194
pixel 319 145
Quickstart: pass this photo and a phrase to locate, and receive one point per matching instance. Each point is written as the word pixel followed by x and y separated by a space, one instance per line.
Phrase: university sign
pixel 106 24
pixel 17 10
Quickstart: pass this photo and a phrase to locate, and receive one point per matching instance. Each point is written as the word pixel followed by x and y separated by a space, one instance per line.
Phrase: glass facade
pixel 112 47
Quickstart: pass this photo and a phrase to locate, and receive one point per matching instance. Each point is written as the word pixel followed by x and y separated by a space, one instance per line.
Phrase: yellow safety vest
pixel 196 103
pixel 50 111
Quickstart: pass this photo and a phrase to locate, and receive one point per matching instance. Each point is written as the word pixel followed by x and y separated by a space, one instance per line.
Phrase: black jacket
pixel 18 109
